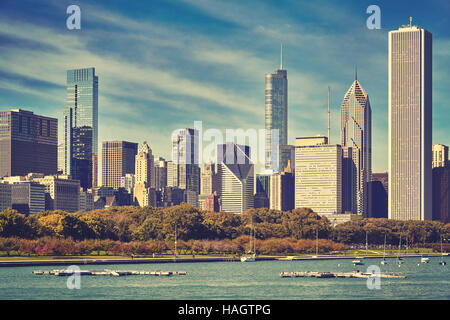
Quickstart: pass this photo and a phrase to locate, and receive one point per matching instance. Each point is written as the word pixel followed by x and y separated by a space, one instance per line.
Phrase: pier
pixel 353 274
pixel 107 272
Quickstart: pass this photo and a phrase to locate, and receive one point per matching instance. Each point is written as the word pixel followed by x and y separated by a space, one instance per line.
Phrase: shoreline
pixel 28 263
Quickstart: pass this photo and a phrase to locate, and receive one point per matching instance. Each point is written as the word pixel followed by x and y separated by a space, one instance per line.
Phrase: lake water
pixel 233 280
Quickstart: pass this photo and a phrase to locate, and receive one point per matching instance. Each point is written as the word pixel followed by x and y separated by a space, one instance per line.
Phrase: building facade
pixel 185 156
pixel 236 176
pixel 356 141
pixel 318 178
pixel 118 159
pixel 410 124
pixel 440 155
pixel 143 176
pixel 28 143
pixel 276 116
pixel 81 126
pixel 282 190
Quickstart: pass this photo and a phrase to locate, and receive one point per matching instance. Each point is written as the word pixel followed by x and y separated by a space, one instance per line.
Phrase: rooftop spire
pixel 410 21
pixel 356 72
pixel 281 57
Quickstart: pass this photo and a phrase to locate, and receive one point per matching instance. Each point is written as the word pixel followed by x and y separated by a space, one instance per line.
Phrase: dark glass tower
pixel 81 126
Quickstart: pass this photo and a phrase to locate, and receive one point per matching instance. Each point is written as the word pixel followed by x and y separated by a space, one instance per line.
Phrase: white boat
pixel 424 260
pixel 250 256
pixel 357 262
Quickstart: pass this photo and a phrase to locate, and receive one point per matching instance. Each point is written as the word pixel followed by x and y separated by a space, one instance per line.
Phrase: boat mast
pixel 175 241
pixel 317 240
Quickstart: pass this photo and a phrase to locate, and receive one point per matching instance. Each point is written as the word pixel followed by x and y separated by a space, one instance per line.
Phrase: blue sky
pixel 164 64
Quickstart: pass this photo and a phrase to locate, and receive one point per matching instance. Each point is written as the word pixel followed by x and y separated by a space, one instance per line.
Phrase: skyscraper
pixel 236 177
pixel 440 155
pixel 81 126
pixel 144 169
pixel 160 176
pixel 28 143
pixel 185 156
pixel 410 124
pixel 118 159
pixel 356 141
pixel 318 177
pixel 276 110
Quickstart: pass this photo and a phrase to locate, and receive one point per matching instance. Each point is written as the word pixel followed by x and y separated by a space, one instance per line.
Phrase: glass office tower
pixel 275 116
pixel 81 126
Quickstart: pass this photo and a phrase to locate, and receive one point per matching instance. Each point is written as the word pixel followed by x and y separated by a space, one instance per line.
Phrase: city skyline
pixel 180 88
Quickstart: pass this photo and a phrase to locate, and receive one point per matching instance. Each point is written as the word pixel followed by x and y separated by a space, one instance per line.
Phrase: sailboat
pixel 383 262
pixel 357 261
pixel 250 257
pixel 399 260
pixel 442 262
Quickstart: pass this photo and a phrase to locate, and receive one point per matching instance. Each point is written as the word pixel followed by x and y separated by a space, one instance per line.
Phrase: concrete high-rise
pixel 118 159
pixel 356 142
pixel 81 126
pixel 410 124
pixel 318 178
pixel 28 143
pixel 144 170
pixel 440 155
pixel 276 116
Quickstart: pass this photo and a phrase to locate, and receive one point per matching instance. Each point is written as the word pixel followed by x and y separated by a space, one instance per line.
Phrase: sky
pixel 164 64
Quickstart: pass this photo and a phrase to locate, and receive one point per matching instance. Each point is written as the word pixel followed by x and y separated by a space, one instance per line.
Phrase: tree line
pixel 128 224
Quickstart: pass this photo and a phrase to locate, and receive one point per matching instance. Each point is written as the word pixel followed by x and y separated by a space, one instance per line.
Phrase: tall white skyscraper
pixel 410 123
pixel 276 98
pixel 356 141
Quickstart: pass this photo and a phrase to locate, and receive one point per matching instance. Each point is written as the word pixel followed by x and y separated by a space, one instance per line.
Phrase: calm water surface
pixel 233 280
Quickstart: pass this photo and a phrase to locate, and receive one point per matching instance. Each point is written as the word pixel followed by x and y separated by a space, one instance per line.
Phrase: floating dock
pixel 107 272
pixel 353 274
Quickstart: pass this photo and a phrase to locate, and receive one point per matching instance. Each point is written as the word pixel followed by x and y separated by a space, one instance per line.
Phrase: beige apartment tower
pixel 440 155
pixel 410 124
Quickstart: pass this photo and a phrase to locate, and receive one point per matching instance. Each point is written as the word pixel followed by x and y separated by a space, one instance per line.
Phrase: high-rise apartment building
pixel 318 178
pixel 410 124
pixel 440 155
pixel 28 143
pixel 356 142
pixel 118 159
pixel 276 116
pixel 81 126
